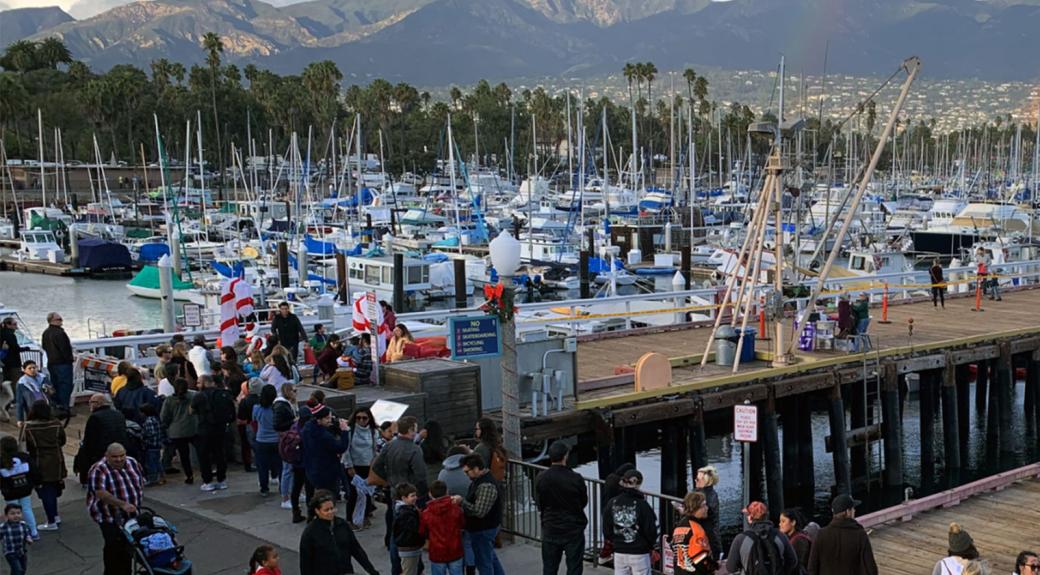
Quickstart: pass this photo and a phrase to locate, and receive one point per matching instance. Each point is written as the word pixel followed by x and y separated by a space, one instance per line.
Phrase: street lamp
pixel 505 256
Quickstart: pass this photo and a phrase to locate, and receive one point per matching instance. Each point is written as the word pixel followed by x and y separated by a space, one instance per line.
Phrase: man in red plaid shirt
pixel 114 488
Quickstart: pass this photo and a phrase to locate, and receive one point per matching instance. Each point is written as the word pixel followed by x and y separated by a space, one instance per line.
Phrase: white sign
pixel 383 410
pixel 372 311
pixel 745 423
pixel 192 315
pixel 667 556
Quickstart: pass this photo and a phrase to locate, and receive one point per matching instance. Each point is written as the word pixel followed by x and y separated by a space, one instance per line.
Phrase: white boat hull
pixel 155 293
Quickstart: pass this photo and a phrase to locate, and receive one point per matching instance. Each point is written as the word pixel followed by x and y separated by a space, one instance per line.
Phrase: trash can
pixel 747 353
pixel 726 345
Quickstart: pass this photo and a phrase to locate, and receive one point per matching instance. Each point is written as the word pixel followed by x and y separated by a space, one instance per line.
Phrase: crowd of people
pixel 201 410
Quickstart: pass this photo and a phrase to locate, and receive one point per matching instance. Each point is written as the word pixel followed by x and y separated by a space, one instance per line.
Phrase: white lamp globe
pixel 505 253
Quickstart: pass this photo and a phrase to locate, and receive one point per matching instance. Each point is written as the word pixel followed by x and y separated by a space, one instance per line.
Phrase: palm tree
pixel 630 74
pixel 690 76
pixel 214 47
pixel 322 80
pixel 52 52
pixel 161 74
pixel 21 56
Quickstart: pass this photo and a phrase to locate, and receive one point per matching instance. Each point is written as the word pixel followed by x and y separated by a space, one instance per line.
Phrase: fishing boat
pixel 40 246
pixel 377 274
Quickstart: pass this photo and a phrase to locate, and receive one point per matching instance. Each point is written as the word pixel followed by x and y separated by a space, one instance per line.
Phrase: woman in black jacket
pixel 328 542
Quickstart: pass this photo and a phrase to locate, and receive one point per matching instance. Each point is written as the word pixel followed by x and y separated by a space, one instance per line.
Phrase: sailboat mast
pixel 454 189
pixel 43 173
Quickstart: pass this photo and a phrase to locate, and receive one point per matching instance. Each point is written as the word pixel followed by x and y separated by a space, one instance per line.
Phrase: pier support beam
pixel 981 384
pixel 857 400
pixel 583 274
pixel 926 397
pixel 1005 383
pixel 1033 380
pixel 698 440
pixel 283 264
pixel 993 413
pixel 623 450
pixel 342 285
pixel 1029 401
pixel 839 444
pixel 790 414
pixel 399 281
pixel 892 427
pixel 771 451
pixel 950 414
pixel 673 461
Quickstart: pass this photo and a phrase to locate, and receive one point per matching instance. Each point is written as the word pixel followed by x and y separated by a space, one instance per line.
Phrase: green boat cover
pixel 148 277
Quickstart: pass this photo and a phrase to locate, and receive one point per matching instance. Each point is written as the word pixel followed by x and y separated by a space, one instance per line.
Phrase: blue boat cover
pixel 435 258
pixel 318 247
pixel 99 254
pixel 152 252
pixel 600 265
pixel 237 270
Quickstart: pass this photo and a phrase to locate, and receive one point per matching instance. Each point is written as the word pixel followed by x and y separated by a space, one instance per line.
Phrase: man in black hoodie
pixel 842 547
pixel 561 497
pixel 631 526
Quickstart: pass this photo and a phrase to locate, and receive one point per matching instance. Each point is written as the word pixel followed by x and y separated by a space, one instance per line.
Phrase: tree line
pixel 403 124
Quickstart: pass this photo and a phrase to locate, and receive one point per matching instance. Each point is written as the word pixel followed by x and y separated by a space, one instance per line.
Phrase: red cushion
pixel 412 350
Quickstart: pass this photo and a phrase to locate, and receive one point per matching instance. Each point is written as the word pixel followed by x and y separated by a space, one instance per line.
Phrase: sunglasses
pixel 362 418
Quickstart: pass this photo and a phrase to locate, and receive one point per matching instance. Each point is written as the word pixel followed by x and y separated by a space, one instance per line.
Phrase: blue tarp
pixel 99 254
pixel 600 265
pixel 435 258
pixel 318 247
pixel 152 252
pixel 237 270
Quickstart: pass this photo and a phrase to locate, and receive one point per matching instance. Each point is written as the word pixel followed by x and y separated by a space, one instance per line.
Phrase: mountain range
pixel 439 42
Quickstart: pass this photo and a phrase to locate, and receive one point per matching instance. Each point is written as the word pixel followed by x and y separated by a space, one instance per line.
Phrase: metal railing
pixel 523 519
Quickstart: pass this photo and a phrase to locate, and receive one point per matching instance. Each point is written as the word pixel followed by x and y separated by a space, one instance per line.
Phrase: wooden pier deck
pixel 1002 523
pixel 935 330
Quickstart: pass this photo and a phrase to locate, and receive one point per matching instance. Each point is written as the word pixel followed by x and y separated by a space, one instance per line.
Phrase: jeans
pixel 994 289
pixel 19 563
pixel 152 464
pixel 245 444
pixel 267 460
pixel 61 378
pixel 467 550
pixel 484 552
pixel 211 452
pixel 938 296
pixel 48 493
pixel 285 483
pixel 27 513
pixel 625 564
pixel 453 568
pixel 116 555
pixel 553 549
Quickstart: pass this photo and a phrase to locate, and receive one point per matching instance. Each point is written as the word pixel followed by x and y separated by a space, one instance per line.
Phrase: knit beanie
pixel 319 411
pixel 960 541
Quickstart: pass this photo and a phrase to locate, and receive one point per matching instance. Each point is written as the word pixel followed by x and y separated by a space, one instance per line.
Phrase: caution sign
pixel 745 423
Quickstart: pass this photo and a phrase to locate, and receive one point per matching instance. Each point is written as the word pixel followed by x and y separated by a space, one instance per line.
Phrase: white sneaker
pixel 57 519
pixel 47 527
pixel 222 485
pixel 286 504
pixel 209 487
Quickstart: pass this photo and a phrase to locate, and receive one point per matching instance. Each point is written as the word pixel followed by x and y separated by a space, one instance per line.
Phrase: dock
pixel 13 264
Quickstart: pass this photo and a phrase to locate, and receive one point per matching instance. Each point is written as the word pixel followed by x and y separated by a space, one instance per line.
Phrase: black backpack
pixel 764 558
pixel 222 406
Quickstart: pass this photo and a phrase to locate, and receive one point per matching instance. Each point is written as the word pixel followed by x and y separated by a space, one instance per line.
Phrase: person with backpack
pixel 961 551
pixel 690 543
pixel 842 547
pixel 761 549
pixel 215 409
pixel 792 523
pixel 17 477
pixel 322 445
pixel 266 442
pixel 181 425
pixel 287 418
pixel 631 527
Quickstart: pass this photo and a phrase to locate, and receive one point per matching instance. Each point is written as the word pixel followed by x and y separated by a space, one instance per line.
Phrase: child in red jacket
pixel 441 524
pixel 264 561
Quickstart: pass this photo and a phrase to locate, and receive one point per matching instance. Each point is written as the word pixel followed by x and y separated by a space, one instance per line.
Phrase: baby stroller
pixel 154 546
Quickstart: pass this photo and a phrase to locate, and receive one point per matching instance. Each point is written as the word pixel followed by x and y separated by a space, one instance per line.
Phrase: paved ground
pixel 219 530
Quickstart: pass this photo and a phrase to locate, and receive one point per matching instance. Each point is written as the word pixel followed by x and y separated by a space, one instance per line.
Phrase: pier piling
pixel 951 413
pixel 892 427
pixel 839 445
pixel 583 274
pixel 926 398
pixel 1033 380
pixel 686 264
pixel 698 440
pixel 771 452
pixel 283 264
pixel 343 289
pixel 460 282
pixel 961 374
pixel 1005 383
pixel 981 384
pixel 857 421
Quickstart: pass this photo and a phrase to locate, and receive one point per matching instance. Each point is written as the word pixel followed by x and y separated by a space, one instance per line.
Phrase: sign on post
pixel 372 311
pixel 745 423
pixel 192 315
pixel 474 337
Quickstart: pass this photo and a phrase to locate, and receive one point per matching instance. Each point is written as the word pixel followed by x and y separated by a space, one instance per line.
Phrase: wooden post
pixel 342 285
pixel 698 440
pixel 673 460
pixel 1029 401
pixel 687 264
pixel 993 411
pixel 950 414
pixel 771 450
pixel 1005 383
pixel 926 397
pixel 963 410
pixel 398 283
pixel 806 457
pixel 981 383
pixel 757 477
pixel 604 434
pixel 1033 380
pixel 858 420
pixel 461 298
pixel 623 448
pixel 839 445
pixel 790 415
pixel 892 427
pixel 283 264
pixel 583 274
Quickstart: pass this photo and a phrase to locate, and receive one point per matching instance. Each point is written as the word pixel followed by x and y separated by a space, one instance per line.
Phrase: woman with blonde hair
pixel 402 337
pixel 705 482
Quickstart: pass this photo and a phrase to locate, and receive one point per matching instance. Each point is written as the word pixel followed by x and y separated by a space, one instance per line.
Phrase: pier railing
pixel 524 520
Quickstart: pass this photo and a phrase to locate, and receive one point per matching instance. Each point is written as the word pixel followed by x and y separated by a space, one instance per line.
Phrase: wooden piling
pixel 399 283
pixel 583 274
pixel 623 450
pixel 686 265
pixel 771 452
pixel 993 411
pixel 790 414
pixel 673 460
pixel 840 451
pixel 757 477
pixel 950 415
pixel 461 298
pixel 892 427
pixel 926 398
pixel 697 440
pixel 342 287
pixel 1029 401
pixel 283 264
pixel 1033 380
pixel 857 401
pixel 961 373
pixel 806 457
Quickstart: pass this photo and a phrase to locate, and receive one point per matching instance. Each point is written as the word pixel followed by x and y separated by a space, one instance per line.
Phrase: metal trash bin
pixel 747 353
pixel 726 345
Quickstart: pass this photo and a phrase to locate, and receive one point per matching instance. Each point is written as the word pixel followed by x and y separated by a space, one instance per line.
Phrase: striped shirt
pixel 14 535
pixel 124 484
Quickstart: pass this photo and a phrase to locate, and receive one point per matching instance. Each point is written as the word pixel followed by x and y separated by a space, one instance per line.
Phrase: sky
pixel 88 8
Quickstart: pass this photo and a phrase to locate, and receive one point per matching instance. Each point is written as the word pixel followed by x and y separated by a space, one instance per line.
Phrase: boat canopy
pixel 99 254
pixel 148 277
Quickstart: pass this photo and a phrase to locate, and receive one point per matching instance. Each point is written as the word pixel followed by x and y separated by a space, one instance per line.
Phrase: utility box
pixel 451 389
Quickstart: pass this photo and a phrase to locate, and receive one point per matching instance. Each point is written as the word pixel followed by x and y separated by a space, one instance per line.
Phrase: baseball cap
pixel 843 503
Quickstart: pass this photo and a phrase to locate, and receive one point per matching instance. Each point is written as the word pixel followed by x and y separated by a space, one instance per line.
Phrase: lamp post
pixel 505 256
